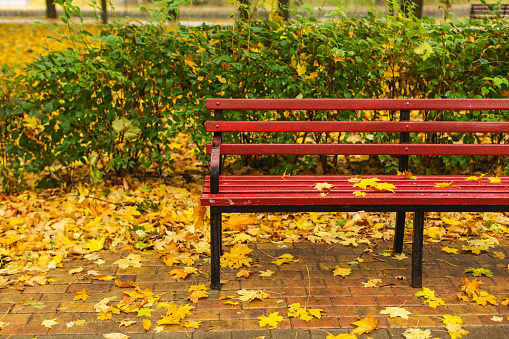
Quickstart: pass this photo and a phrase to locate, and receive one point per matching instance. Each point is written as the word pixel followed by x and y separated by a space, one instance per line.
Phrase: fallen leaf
pixel 250 295
pixel 115 336
pixel 284 259
pixel 76 270
pixel 483 298
pixel 372 282
pixel 243 273
pixel 192 324
pixel 49 322
pixel 443 184
pixel 81 295
pixel 342 271
pixel 104 277
pixel 400 256
pixel 323 186
pixel 450 250
pixel 477 272
pixel 394 312
pixel 495 180
pixel 124 284
pixel 146 323
pixel 498 255
pixel 126 322
pixel 267 273
pixel 497 319
pixel 272 320
pixel 196 295
pixel 416 333
pixel 342 336
pixel 145 312
pixel 365 325
pixel 359 193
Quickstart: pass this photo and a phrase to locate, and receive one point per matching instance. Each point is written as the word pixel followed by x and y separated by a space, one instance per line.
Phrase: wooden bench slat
pixel 362 149
pixel 358 104
pixel 359 126
pixel 409 199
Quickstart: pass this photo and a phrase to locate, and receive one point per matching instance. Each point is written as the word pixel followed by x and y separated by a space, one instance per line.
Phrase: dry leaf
pixel 146 323
pixel 192 324
pixel 443 184
pixel 372 282
pixel 76 270
pixel 342 271
pixel 49 322
pixel 243 273
pixel 115 336
pixel 365 325
pixel 272 320
pixel 126 322
pixel 196 295
pixel 394 312
pixel 250 295
pixel 267 273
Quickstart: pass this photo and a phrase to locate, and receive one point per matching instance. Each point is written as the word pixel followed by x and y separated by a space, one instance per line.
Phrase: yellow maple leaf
pixel 182 273
pixel 342 336
pixel 483 298
pixel 470 287
pixel 95 245
pixel 394 312
pixel 243 273
pixel 81 295
pixel 323 186
pixel 196 295
pixel 450 250
pixel 191 324
pixel 365 325
pixel 342 271
pixel 284 259
pixel 272 320
pixel 267 273
pixel 474 249
pixel 359 193
pixel 452 222
pixel 237 257
pixel 49 323
pixel 372 282
pixel 495 180
pixel 231 303
pixel 250 295
pixel 76 270
pixel 104 277
pixel 443 184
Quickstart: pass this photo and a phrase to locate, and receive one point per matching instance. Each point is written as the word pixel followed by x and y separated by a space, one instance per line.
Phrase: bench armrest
pixel 215 164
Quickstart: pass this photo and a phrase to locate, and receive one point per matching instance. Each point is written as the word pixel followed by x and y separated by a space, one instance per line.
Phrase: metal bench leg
pixel 399 232
pixel 215 248
pixel 417 248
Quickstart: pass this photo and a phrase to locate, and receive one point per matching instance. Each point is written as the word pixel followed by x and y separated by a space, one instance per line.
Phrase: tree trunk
pixel 244 9
pixel 51 10
pixel 104 14
pixel 283 9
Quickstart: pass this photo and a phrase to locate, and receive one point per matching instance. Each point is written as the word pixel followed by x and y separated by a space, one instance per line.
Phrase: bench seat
pixel 274 190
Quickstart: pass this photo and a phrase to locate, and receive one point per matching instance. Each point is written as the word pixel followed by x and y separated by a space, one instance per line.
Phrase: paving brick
pixel 202 315
pixel 92 287
pixel 241 314
pixel 49 308
pixel 16 318
pixel 397 301
pixel 24 329
pixel 373 291
pixel 61 328
pixel 290 334
pixel 353 301
pixel 324 322
pixel 251 334
pixel 329 291
pixel 252 324
pixel 311 301
pixel 223 325
pixel 414 321
pixel 472 309
pixel 45 289
pixel 76 307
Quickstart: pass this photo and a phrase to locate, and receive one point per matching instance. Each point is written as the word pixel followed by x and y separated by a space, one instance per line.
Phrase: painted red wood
pixel 365 149
pixel 360 126
pixel 357 104
pixel 407 199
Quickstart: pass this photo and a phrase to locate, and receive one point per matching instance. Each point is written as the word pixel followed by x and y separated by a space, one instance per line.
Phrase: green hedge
pixel 118 99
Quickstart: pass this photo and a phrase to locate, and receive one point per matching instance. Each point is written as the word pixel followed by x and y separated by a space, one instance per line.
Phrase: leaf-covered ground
pixel 48 231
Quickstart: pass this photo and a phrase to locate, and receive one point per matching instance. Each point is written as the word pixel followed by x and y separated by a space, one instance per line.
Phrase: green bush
pixel 118 99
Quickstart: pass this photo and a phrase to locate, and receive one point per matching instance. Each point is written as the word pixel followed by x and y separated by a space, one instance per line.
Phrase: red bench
pixel 295 193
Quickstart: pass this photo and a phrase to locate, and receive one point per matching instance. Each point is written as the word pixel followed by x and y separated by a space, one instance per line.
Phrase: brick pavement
pixel 309 282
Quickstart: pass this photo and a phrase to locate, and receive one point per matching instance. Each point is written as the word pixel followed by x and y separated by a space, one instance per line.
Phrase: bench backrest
pixel 478 11
pixel 403 127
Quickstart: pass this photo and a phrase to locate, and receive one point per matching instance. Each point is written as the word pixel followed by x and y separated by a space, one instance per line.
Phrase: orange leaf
pixel 122 284
pixel 146 323
pixel 365 325
pixel 196 295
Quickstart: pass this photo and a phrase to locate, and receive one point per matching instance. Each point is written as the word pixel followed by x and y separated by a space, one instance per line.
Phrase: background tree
pixel 104 13
pixel 283 9
pixel 413 7
pixel 51 10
